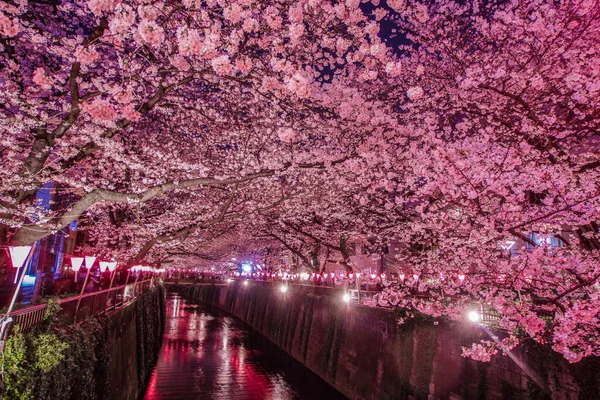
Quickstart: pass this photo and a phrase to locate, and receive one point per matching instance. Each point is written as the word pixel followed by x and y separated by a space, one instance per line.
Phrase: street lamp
pixel 473 316
pixel 89 262
pixel 346 297
pixel 283 288
pixel 18 256
pixel 76 263
pixel 103 266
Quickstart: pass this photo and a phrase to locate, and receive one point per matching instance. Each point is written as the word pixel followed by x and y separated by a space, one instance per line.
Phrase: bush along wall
pixel 71 362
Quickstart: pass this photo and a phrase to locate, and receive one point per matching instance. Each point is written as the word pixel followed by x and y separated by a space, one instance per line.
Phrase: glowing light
pixel 402 277
pixel 229 280
pixel 18 255
pixel 89 261
pixel 416 277
pixel 473 316
pixel 245 283
pixel 357 275
pixel 508 245
pixel 346 297
pixel 76 263
pixel 29 280
pixel 461 277
pixel 247 268
pixel 351 276
pixel 283 288
pixel 373 276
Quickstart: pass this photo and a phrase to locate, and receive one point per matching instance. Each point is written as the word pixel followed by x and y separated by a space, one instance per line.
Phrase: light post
pixel 20 256
pixel 89 262
pixel 76 263
pixel 112 266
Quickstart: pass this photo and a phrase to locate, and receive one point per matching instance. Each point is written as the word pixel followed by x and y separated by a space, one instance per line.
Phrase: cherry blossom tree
pixel 126 102
pixel 500 120
pixel 465 133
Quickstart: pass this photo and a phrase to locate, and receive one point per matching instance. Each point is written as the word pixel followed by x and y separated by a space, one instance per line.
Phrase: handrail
pixel 94 303
pixel 488 315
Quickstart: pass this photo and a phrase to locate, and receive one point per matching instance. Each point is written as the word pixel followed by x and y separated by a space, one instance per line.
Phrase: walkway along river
pixel 207 354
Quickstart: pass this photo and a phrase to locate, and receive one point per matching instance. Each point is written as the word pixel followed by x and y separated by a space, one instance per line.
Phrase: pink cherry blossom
pixel 99 108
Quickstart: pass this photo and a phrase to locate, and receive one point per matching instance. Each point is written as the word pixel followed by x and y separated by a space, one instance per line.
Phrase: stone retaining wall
pixel 365 354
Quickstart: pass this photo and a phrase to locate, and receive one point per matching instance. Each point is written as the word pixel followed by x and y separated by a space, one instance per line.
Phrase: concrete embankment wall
pixel 106 357
pixel 365 354
pixel 135 338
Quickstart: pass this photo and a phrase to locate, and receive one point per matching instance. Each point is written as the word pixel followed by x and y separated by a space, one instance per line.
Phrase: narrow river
pixel 207 354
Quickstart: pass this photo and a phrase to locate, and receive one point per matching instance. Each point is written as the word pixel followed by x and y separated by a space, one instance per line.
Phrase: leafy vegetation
pixel 64 362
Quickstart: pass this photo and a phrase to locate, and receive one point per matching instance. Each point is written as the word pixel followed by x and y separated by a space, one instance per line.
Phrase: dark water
pixel 207 354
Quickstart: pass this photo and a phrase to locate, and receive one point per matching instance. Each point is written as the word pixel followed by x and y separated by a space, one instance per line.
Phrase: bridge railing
pixel 95 303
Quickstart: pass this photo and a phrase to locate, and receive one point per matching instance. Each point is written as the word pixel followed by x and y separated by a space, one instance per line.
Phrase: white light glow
pixel 112 266
pixel 245 283
pixel 283 288
pixel 346 297
pixel 18 255
pixel 103 266
pixel 473 316
pixel 247 268
pixel 76 263
pixel 89 261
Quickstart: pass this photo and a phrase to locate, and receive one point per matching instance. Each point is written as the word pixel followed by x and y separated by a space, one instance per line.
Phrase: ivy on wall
pixel 63 362
pixel 58 362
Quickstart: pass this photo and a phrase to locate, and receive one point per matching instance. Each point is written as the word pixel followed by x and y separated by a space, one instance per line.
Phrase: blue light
pixel 29 280
pixel 247 268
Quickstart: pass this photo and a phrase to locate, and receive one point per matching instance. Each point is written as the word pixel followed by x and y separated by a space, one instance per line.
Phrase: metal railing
pixel 95 303
pixel 356 296
pixel 488 315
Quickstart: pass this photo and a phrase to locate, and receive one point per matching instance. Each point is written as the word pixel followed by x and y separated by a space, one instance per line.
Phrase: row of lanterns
pixel 19 256
pixel 306 276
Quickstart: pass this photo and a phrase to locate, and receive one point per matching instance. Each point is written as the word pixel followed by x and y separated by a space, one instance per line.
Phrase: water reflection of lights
pixel 208 356
pixel 176 306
